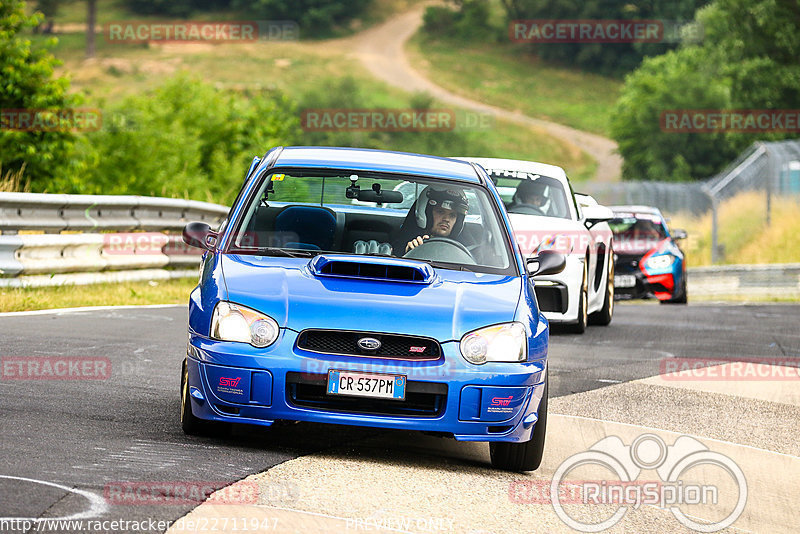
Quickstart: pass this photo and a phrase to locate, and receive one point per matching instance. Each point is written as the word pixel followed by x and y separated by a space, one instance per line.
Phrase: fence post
pixel 770 175
pixel 714 238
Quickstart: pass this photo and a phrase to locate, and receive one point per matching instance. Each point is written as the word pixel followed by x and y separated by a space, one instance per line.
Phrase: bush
pixel 28 83
pixel 186 139
pixel 345 93
pixel 467 20
pixel 316 18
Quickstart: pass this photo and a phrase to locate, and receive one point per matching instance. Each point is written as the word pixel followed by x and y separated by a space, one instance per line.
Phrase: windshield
pixel 300 212
pixel 531 194
pixel 637 232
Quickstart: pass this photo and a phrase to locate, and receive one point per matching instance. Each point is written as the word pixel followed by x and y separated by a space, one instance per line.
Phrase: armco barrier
pixel 81 239
pixel 778 280
pixel 126 238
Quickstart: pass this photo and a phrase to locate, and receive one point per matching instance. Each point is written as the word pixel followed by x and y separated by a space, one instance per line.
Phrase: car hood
pixel 452 304
pixel 530 230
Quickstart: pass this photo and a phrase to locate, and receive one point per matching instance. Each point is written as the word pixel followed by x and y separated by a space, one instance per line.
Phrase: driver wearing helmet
pixel 437 213
pixel 530 193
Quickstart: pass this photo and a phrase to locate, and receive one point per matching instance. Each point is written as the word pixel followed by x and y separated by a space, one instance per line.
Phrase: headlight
pixel 232 322
pixel 657 263
pixel 500 343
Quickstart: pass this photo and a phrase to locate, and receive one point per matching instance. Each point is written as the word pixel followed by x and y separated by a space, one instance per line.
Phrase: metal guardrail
pixel 779 280
pixel 107 238
pixel 127 238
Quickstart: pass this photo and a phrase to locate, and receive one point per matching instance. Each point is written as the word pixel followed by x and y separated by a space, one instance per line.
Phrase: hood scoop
pixel 372 268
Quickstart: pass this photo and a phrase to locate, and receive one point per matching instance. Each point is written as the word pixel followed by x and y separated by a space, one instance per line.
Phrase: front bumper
pixel 236 383
pixel 558 294
pixel 658 286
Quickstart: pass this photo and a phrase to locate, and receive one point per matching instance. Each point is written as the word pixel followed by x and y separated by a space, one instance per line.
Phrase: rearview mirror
pixel 200 235
pixel 678 234
pixel 546 262
pixel 380 196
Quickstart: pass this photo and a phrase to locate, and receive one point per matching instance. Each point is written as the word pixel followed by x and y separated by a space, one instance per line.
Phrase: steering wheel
pixel 526 209
pixel 420 252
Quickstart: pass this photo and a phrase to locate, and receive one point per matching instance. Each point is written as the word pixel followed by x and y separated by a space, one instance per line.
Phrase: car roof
pixel 534 167
pixel 362 159
pixel 636 209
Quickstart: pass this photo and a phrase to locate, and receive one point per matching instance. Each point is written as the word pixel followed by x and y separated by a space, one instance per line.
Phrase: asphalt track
pixel 65 442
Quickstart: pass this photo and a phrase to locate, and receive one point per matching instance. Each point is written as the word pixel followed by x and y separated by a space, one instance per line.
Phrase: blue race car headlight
pixel 232 322
pixel 506 342
pixel 659 263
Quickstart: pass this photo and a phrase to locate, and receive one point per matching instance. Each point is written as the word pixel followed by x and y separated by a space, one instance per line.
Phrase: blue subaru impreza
pixel 371 288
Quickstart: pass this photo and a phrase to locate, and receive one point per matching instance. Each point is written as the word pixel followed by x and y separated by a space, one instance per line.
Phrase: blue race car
pixel 648 261
pixel 321 299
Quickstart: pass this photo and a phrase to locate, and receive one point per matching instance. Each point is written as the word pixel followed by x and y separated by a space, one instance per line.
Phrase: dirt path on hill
pixel 381 50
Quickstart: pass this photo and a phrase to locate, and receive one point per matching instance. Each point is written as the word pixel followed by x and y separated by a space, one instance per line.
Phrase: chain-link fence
pixel 768 168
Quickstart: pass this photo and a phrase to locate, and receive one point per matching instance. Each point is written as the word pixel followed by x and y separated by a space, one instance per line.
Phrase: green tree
pixel 748 60
pixel 614 59
pixel 28 83
pixel 185 139
pixel 674 81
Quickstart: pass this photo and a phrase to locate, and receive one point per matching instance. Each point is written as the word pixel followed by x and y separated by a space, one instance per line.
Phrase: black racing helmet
pixel 451 199
pixel 527 188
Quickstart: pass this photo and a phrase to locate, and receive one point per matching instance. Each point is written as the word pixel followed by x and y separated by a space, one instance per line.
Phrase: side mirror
pixel 596 214
pixel 678 234
pixel 546 262
pixel 200 235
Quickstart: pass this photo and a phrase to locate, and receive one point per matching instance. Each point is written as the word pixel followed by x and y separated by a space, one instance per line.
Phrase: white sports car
pixel 546 214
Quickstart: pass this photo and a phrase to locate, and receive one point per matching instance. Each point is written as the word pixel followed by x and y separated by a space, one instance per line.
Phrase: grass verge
pixel 743 232
pixel 128 293
pixel 508 77
pixel 295 68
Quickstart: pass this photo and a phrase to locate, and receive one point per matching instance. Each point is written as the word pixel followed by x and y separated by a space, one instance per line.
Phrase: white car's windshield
pixel 531 194
pixel 306 212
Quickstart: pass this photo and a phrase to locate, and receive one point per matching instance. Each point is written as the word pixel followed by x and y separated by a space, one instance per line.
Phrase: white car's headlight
pixel 657 263
pixel 500 343
pixel 232 322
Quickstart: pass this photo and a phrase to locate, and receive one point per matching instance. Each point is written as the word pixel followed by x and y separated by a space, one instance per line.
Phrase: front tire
pixel 525 456
pixel 604 315
pixel 191 425
pixel 681 298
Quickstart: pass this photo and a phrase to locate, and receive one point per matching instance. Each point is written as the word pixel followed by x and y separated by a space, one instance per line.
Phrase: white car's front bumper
pixel 567 284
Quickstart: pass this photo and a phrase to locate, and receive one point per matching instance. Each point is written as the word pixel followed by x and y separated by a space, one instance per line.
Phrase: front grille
pixel 423 399
pixel 392 345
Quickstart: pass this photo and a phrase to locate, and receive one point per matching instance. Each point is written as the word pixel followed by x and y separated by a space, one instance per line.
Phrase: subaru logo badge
pixel 369 343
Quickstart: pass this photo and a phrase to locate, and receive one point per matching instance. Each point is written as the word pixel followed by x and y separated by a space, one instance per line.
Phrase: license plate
pixel 625 280
pixel 366 385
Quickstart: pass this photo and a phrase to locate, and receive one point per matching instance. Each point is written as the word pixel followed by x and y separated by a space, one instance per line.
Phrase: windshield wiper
pixel 272 251
pixel 450 266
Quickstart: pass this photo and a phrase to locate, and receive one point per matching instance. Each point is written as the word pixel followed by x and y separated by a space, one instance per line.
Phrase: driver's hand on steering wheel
pixel 417 241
